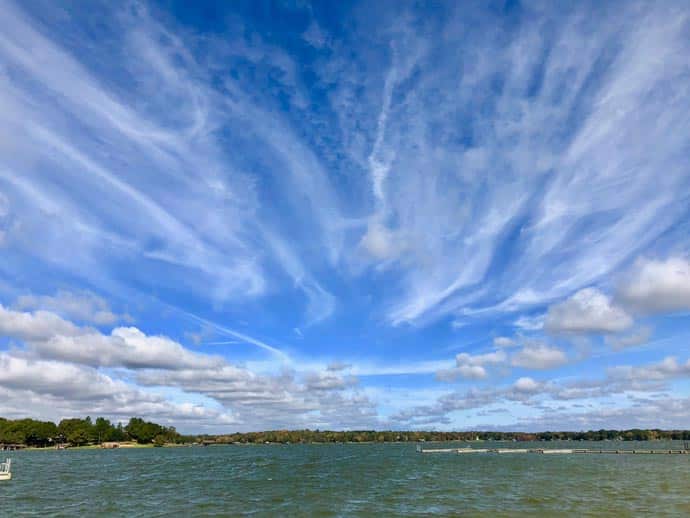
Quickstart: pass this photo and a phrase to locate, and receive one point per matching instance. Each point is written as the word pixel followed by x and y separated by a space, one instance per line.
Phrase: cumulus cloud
pixel 666 369
pixel 314 399
pixel 526 385
pixel 656 286
pixel 545 396
pixel 80 306
pixel 637 337
pixel 646 413
pixel 39 325
pixel 67 359
pixel 539 356
pixel 54 390
pixel 530 355
pixel 328 380
pixel 471 366
pixel 50 336
pixel 57 378
pixel 504 341
pixel 587 311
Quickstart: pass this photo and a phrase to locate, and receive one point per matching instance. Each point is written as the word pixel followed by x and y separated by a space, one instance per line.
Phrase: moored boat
pixel 6 470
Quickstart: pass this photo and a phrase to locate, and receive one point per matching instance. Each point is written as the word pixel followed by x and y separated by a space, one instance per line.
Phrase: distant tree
pixel 145 432
pixel 77 431
pixel 103 430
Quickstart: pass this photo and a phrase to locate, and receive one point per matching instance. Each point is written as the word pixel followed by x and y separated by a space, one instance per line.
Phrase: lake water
pixel 346 480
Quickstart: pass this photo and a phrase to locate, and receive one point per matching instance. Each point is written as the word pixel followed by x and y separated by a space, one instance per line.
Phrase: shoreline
pixel 134 445
pixel 122 446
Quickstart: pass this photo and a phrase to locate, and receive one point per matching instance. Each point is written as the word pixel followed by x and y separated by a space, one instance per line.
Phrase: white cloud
pixel 504 341
pixel 67 359
pixel 328 380
pixel 550 190
pixel 446 203
pixel 462 371
pixel 56 390
pixel 270 401
pixel 62 114
pixel 379 242
pixel 82 306
pixel 526 385
pixel 530 323
pixel 666 369
pixel 530 356
pixel 556 399
pixel 50 336
pixel 61 379
pixel 669 413
pixel 582 206
pixel 39 325
pixel 471 366
pixel 587 311
pixel 539 356
pixel 655 286
pixel 637 337
pixel 481 359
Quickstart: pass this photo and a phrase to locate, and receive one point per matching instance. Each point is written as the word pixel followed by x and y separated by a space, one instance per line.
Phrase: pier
pixel 553 451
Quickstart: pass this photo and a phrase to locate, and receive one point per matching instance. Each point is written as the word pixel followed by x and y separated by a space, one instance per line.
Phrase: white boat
pixel 6 470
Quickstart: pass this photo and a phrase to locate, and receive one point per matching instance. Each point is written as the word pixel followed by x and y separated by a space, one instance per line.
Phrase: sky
pixel 234 216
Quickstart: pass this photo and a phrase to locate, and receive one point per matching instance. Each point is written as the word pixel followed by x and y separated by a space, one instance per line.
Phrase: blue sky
pixel 251 215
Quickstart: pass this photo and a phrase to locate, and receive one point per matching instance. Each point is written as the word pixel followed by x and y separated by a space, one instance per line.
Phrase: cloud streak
pixel 365 186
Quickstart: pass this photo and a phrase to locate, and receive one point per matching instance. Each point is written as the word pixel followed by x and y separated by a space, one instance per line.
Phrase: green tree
pixel 103 430
pixel 77 431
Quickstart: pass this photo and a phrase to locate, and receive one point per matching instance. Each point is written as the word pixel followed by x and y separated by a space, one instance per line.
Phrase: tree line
pixel 81 432
pixel 316 436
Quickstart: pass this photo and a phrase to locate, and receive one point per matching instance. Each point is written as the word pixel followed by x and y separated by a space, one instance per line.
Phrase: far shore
pixel 135 445
pixel 123 445
pixel 88 434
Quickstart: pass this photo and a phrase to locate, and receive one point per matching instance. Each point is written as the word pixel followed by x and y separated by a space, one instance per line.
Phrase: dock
pixel 553 451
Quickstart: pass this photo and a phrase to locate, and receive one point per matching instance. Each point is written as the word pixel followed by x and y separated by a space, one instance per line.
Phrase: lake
pixel 346 480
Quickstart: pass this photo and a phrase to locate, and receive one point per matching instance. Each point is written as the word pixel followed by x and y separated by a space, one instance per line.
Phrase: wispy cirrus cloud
pixel 152 153
pixel 463 209
pixel 370 187
pixel 530 198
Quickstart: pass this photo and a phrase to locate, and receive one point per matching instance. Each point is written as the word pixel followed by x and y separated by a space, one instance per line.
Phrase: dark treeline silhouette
pixel 80 432
pixel 316 436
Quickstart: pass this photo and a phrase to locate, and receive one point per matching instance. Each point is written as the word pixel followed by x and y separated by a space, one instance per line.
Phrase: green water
pixel 345 480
